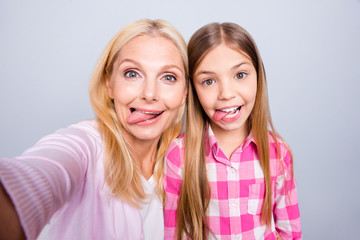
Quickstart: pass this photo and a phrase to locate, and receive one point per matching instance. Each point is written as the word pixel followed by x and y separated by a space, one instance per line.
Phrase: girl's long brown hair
pixel 195 192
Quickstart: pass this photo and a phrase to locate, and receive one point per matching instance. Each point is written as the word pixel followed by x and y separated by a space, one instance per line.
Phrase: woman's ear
pixel 109 88
pixel 185 95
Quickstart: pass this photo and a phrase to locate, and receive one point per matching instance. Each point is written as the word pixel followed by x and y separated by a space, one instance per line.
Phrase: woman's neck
pixel 143 152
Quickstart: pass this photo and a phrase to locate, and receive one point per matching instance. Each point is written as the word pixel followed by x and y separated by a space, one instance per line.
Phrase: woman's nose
pixel 150 90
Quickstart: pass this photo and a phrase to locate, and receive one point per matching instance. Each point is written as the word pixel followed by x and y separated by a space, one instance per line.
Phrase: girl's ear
pixel 109 88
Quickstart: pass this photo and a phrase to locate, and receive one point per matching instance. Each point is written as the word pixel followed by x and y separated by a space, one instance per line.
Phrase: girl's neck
pixel 143 152
pixel 229 140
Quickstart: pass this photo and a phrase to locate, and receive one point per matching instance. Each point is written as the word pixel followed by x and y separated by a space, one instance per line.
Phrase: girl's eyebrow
pixel 232 68
pixel 205 72
pixel 240 64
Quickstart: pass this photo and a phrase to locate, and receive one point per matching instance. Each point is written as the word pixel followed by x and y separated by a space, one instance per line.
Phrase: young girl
pixel 102 179
pixel 229 177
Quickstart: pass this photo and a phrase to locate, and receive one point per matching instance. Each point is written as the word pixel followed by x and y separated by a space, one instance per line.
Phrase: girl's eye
pixel 170 78
pixel 240 75
pixel 131 74
pixel 208 81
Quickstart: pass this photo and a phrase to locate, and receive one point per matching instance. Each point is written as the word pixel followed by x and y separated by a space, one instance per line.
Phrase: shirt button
pixel 233 171
pixel 234 203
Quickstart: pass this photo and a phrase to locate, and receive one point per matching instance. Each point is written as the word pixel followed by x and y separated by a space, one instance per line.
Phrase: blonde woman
pixel 102 179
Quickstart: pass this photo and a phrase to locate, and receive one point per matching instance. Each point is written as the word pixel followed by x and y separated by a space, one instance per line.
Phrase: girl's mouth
pixel 227 114
pixel 143 117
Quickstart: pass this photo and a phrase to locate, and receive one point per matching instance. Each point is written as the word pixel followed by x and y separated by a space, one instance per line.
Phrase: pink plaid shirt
pixel 237 192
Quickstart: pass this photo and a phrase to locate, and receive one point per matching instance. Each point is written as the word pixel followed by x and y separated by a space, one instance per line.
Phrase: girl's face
pixel 148 86
pixel 226 84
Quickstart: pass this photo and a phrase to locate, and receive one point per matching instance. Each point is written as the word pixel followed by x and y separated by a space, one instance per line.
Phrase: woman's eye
pixel 240 75
pixel 131 74
pixel 169 78
pixel 208 81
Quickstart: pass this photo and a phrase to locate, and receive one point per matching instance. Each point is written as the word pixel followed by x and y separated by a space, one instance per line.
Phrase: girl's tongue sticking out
pixel 224 113
pixel 219 115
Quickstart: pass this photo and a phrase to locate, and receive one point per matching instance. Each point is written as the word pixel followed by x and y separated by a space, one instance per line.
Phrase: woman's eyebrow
pixel 165 67
pixel 130 61
pixel 169 66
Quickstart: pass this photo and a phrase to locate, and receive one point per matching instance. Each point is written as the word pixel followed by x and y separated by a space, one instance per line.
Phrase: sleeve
pixel 46 176
pixel 172 186
pixel 286 208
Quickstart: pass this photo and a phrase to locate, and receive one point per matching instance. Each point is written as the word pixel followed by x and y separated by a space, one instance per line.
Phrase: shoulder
pixel 82 138
pixel 89 127
pixel 175 151
pixel 177 144
pixel 277 143
pixel 280 151
pixel 86 130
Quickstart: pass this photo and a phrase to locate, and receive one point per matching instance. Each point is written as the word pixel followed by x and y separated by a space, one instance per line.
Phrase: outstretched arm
pixel 39 182
pixel 10 227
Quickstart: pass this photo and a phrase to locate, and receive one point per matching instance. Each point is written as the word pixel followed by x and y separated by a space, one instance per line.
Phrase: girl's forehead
pixel 238 49
pixel 224 53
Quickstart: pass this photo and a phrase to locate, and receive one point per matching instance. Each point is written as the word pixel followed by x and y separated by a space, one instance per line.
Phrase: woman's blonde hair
pixel 195 192
pixel 121 171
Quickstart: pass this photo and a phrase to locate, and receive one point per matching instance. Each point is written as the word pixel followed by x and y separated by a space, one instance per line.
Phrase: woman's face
pixel 148 86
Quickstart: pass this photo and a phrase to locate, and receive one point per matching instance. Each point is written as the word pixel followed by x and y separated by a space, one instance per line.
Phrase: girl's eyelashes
pixel 208 81
pixel 240 75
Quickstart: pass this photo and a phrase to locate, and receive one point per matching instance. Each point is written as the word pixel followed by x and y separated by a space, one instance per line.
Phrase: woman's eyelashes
pixel 131 74
pixel 169 78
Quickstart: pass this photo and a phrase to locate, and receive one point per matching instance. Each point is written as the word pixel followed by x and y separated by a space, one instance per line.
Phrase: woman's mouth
pixel 143 117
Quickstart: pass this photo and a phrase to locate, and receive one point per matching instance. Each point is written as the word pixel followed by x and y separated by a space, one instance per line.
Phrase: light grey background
pixel 311 52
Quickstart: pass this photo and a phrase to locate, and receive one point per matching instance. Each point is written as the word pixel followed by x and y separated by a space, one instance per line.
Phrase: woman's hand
pixel 10 227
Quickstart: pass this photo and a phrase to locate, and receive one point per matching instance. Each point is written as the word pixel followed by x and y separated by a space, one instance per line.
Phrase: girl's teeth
pixel 231 115
pixel 229 109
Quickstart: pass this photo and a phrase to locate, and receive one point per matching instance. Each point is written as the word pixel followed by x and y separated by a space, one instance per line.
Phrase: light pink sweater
pixel 62 178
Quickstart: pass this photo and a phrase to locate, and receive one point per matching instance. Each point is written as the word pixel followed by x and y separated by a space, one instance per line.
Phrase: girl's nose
pixel 150 90
pixel 226 90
